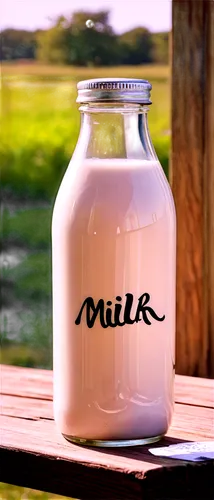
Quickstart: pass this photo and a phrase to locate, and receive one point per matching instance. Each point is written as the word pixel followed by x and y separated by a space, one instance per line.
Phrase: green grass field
pixel 8 492
pixel 39 128
pixel 38 102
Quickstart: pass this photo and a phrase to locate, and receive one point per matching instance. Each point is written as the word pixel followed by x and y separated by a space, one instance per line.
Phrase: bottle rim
pixel 132 90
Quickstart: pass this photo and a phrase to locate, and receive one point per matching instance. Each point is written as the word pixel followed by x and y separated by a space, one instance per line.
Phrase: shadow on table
pixel 141 452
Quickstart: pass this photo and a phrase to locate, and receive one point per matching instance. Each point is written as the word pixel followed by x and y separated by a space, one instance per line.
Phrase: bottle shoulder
pixel 104 190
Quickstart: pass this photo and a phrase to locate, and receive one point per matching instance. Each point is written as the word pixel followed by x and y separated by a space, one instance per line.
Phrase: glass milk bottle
pixel 114 252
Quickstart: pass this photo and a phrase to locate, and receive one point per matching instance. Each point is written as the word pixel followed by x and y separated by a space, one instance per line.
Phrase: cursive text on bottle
pixel 117 315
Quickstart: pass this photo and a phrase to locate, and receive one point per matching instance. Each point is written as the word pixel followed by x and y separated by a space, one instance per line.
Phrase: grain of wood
pixel 42 439
pixel 39 384
pixel 27 382
pixel 209 181
pixel 34 454
pixel 194 391
pixel 188 421
pixel 192 173
pixel 88 483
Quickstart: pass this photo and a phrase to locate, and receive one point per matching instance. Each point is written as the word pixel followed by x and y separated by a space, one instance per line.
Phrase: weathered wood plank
pixel 65 478
pixel 26 382
pixel 83 482
pixel 189 422
pixel 194 391
pixel 40 439
pixel 39 384
pixel 193 181
pixel 34 453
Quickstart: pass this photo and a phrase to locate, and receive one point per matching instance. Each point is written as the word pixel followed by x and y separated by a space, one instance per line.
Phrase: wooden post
pixel 193 182
pixel 209 186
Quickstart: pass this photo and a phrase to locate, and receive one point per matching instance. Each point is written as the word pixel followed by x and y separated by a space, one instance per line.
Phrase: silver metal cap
pixel 131 90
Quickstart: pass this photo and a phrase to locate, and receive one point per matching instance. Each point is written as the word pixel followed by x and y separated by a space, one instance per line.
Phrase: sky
pixel 125 14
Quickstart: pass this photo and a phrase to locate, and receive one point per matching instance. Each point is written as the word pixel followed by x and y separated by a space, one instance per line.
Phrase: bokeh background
pixel 42 60
pixel 46 48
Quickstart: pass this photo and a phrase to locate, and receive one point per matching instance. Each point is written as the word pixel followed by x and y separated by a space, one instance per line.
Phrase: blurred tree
pixel 98 20
pixel 160 48
pixel 52 44
pixel 84 39
pixel 17 44
pixel 136 46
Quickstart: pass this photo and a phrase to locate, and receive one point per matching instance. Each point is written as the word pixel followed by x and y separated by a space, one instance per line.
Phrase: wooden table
pixel 34 454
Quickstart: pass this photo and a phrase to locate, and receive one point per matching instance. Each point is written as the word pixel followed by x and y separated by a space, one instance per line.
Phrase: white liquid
pixel 113 233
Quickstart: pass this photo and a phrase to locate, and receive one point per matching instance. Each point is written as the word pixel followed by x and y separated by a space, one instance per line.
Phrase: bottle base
pixel 112 443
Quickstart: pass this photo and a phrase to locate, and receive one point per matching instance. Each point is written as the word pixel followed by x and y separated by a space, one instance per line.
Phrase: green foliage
pixel 93 48
pixel 40 128
pixel 85 39
pixel 72 42
pixel 19 354
pixel 17 44
pixel 10 492
pixel 52 44
pixel 26 275
pixel 136 46
pixel 99 19
pixel 160 48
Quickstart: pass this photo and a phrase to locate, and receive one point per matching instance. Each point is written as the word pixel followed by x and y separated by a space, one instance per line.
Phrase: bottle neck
pixel 114 131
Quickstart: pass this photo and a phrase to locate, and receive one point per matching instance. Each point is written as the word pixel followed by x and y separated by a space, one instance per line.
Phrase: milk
pixel 113 235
